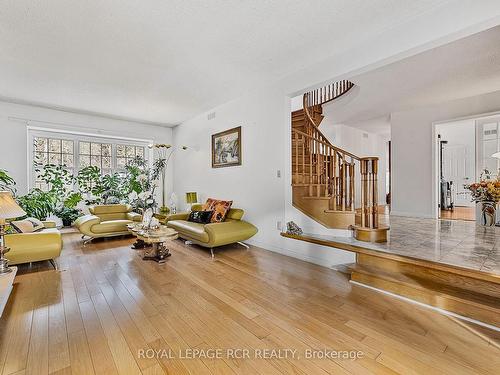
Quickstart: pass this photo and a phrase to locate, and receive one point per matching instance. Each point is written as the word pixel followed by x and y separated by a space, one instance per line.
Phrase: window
pixel 126 153
pixel 96 155
pixel 51 151
pixel 77 151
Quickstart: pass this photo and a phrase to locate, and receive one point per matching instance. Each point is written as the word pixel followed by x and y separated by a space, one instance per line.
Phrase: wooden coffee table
pixel 157 238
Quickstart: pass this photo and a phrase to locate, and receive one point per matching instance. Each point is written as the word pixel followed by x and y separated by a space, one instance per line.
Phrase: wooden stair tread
pixel 346 211
pixel 443 290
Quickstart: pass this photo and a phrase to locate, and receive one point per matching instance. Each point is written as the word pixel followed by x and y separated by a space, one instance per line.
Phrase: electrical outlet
pixel 278 225
pixel 278 173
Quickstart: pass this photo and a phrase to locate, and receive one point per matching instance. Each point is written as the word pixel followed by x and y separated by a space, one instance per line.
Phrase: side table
pixel 158 239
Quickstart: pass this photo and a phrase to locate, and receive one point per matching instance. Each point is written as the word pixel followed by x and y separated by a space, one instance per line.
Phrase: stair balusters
pixel 328 171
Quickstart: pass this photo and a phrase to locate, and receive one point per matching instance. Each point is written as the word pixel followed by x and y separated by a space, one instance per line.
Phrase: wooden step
pixel 466 292
pixel 318 198
pixel 475 305
pixel 472 281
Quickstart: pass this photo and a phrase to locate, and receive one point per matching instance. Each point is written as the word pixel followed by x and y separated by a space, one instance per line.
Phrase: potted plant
pixel 68 215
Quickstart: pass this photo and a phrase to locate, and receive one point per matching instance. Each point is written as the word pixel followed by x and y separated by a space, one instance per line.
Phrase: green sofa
pixel 106 221
pixel 231 230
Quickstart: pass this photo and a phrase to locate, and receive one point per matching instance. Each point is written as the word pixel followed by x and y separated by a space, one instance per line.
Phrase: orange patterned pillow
pixel 220 209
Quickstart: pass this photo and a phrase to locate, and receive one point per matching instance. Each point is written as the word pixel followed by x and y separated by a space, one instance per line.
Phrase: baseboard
pixel 293 254
pixel 412 214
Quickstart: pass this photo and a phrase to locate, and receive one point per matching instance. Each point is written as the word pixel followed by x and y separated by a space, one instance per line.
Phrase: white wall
pixel 253 186
pixel 14 143
pixel 413 167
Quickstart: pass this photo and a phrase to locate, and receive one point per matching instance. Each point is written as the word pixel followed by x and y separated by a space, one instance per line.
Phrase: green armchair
pixel 36 246
pixel 232 230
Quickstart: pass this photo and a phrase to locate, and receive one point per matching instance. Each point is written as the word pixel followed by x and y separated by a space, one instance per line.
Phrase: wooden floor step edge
pixel 320 197
pixel 476 299
pixel 308 185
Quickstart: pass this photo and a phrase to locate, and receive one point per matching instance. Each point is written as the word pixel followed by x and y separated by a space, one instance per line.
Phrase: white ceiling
pixel 465 68
pixel 166 61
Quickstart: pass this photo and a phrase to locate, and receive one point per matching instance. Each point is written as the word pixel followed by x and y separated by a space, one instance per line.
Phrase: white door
pixel 457 169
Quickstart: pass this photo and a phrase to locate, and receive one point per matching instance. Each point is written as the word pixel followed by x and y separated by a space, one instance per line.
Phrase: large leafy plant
pixel 102 189
pixel 7 183
pixel 38 203
pixel 89 185
pixel 142 184
pixel 58 178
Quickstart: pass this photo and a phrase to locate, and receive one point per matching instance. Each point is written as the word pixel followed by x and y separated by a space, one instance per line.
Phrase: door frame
pixel 435 154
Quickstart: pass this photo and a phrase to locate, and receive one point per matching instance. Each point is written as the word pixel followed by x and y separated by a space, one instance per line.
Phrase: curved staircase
pixel 324 176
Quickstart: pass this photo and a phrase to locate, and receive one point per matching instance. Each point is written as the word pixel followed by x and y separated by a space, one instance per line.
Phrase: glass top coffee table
pixel 157 239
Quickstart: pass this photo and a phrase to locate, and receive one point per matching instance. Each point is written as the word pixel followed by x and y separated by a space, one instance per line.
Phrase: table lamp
pixel 8 210
pixel 191 198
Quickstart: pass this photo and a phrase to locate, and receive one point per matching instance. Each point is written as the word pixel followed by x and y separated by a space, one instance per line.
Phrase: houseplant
pixel 39 204
pixel 68 215
pixel 486 192
pixel 7 182
pixel 142 183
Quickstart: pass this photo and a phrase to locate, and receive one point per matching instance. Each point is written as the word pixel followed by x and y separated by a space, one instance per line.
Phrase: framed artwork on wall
pixel 226 148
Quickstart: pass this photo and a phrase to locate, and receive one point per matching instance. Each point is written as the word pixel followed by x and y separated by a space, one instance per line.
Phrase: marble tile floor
pixel 459 243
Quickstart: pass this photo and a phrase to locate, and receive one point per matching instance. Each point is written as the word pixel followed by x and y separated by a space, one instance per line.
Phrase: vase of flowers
pixel 486 193
pixel 488 213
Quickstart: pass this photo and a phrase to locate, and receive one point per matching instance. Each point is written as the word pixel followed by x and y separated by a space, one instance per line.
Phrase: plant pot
pixel 66 222
pixel 488 213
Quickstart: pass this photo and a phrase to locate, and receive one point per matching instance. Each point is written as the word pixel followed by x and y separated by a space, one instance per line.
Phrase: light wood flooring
pixel 459 213
pixel 105 305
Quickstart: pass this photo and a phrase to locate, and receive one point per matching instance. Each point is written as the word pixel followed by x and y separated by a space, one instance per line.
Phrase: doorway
pixel 457 168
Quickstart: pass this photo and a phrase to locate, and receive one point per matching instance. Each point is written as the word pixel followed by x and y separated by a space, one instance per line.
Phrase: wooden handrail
pixel 327 143
pixel 326 169
pixel 324 95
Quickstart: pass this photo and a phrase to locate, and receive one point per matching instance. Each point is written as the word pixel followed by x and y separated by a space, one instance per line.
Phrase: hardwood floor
pixel 106 311
pixel 459 213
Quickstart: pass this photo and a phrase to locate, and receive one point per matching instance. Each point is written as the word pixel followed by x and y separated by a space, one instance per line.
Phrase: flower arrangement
pixel 487 193
pixel 486 190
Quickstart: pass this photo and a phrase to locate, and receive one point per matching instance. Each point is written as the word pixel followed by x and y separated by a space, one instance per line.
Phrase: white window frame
pixel 76 137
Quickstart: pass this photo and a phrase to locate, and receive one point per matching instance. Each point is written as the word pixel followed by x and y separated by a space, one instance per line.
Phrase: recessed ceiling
pixel 166 61
pixel 464 68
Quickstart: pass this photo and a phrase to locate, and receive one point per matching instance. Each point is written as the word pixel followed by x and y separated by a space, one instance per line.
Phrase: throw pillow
pixel 220 209
pixel 201 217
pixel 22 226
pixel 28 225
pixel 37 224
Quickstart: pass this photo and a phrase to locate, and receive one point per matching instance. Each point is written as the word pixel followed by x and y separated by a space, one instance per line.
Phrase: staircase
pixel 324 176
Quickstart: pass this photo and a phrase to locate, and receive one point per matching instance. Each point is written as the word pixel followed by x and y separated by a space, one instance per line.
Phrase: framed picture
pixel 226 148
